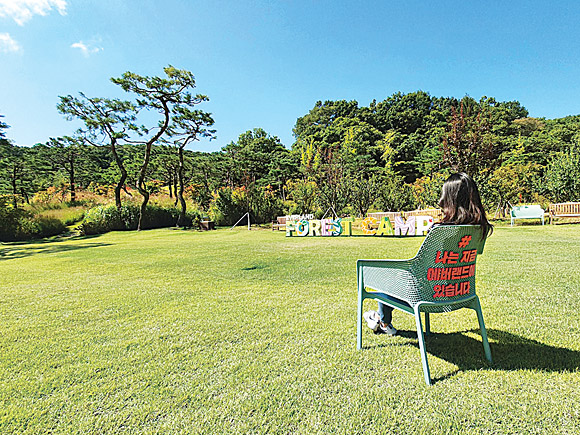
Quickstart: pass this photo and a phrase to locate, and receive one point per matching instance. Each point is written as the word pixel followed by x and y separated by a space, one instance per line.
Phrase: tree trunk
pixel 181 220
pixel 145 194
pixel 123 178
pixel 143 170
pixel 142 187
pixel 175 184
pixel 282 190
pixel 14 186
pixel 71 174
pixel 25 195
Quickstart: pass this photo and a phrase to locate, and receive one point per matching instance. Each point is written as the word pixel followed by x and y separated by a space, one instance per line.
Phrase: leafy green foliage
pixel 302 196
pixel 390 155
pixel 394 194
pixel 18 224
pixel 427 190
pixel 107 218
pixel 229 205
pixel 258 158
pixel 563 175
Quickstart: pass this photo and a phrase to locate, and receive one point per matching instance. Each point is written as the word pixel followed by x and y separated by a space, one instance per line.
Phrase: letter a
pixel 385 227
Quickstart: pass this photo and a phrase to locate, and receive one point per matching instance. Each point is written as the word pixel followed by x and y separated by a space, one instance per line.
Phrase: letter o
pixel 302 228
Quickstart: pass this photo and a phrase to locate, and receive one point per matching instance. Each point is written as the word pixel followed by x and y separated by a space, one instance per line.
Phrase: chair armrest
pixel 392 277
pixel 391 264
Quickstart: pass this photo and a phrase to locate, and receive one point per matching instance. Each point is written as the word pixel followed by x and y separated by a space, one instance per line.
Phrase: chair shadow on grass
pixel 509 352
pixel 13 250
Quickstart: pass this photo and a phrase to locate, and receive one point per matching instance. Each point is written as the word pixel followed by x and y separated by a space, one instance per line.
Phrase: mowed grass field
pixel 171 331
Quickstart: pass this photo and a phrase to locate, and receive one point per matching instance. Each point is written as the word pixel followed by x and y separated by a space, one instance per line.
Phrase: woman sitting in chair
pixel 461 205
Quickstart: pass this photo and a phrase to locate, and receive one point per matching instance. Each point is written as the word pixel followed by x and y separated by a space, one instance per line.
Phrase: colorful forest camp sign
pixel 414 225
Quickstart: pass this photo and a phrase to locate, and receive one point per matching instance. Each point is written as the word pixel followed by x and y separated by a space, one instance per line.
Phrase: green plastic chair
pixel 439 279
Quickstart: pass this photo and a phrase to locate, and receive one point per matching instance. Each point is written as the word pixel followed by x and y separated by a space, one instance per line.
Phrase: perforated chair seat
pixel 439 279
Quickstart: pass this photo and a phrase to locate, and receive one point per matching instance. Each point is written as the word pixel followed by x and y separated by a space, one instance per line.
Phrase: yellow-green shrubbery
pixel 17 224
pixel 107 218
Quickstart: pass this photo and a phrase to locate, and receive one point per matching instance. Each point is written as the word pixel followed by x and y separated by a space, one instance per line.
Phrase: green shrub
pixel 562 179
pixel 128 218
pixel 17 224
pixel 195 217
pixel 67 215
pixel 102 219
pixel 159 217
pixel 229 205
pixel 395 195
pixel 265 205
pixel 10 219
pixel 47 227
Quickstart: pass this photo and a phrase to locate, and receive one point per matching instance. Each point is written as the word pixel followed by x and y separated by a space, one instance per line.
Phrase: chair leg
pixel 360 311
pixel 359 324
pixel 486 348
pixel 421 338
pixel 427 324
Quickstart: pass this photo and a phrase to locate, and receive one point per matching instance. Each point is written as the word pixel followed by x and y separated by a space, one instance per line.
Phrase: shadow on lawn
pixel 509 352
pixel 14 250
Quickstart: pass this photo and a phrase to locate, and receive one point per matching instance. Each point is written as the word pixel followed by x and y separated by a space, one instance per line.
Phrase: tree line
pixel 346 158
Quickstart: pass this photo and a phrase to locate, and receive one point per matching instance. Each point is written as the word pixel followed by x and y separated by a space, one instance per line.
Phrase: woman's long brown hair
pixel 461 203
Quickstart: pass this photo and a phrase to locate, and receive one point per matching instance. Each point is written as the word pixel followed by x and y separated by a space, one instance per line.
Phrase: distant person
pixel 461 205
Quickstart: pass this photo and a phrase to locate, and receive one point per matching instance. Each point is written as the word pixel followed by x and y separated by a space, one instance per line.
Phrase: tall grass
pixel 67 215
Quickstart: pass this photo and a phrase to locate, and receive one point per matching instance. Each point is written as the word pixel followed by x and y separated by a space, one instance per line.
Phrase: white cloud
pixel 8 45
pixel 86 49
pixel 23 10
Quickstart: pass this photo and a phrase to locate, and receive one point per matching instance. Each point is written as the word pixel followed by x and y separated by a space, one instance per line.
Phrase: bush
pixel 264 205
pixel 107 218
pixel 303 195
pixel 104 218
pixel 17 224
pixel 46 227
pixel 67 215
pixel 427 190
pixel 395 195
pixel 195 217
pixel 562 179
pixel 159 217
pixel 228 205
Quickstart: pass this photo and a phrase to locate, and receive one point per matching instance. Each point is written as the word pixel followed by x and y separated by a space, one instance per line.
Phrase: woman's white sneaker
pixel 373 320
pixel 387 329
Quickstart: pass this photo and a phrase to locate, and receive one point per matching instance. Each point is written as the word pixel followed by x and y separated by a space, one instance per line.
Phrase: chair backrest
pixel 435 213
pixel 382 214
pixel 565 208
pixel 533 210
pixel 444 267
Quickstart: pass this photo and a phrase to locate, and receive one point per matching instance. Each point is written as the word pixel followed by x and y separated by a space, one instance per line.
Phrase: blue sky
pixel 265 63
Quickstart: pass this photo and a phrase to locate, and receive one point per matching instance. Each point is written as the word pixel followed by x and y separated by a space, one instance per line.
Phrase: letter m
pixel 404 228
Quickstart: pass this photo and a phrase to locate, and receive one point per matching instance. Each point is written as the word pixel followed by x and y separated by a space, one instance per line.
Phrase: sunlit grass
pixel 251 332
pixel 68 216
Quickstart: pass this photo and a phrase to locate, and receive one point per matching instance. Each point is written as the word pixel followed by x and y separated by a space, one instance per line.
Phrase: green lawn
pixel 174 331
